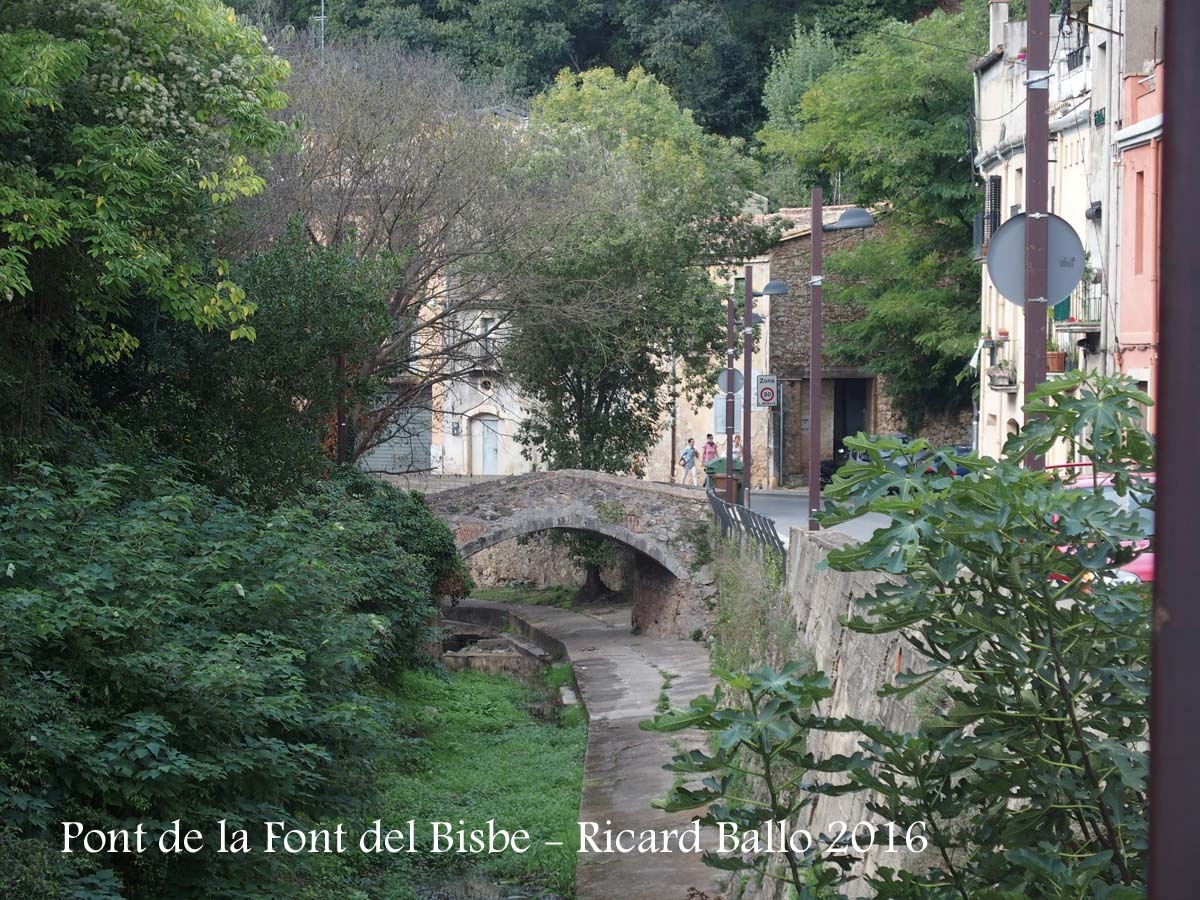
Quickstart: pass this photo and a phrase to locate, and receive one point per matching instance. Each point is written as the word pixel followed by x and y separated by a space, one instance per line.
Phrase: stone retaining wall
pixel 857 665
pixel 537 562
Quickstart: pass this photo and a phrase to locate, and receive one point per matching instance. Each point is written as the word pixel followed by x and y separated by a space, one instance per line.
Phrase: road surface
pixel 790 509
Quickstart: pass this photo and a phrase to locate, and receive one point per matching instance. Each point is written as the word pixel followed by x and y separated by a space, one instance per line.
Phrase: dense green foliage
pixel 248 417
pixel 712 54
pixel 887 124
pixel 168 653
pixel 1030 772
pixel 205 619
pixel 598 385
pixel 757 741
pixel 124 129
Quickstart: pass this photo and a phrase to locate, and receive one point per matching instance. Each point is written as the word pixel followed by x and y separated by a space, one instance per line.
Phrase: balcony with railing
pixel 1080 313
pixel 484 352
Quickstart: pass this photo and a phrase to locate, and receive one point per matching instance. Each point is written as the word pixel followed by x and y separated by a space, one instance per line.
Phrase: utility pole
pixel 817 267
pixel 730 486
pixel 674 416
pixel 1037 225
pixel 1175 668
pixel 747 361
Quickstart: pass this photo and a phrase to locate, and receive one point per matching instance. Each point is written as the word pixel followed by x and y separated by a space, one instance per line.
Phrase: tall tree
pixel 890 122
pixel 255 420
pixel 692 48
pixel 810 54
pixel 124 129
pixel 599 386
pixel 435 177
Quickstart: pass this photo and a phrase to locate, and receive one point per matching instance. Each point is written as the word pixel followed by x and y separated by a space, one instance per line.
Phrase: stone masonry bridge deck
pixel 664 523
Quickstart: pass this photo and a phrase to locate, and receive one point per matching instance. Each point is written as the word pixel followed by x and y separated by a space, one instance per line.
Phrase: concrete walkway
pixel 620 678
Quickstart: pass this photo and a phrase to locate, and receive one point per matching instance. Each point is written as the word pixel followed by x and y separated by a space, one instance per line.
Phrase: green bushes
pixel 230 408
pixel 1028 775
pixel 168 653
pixel 753 621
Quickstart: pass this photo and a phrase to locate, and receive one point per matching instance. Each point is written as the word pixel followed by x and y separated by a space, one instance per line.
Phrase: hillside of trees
pixel 713 54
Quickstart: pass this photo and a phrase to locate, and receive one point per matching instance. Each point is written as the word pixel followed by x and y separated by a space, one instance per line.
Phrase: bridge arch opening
pixel 643 544
pixel 671 582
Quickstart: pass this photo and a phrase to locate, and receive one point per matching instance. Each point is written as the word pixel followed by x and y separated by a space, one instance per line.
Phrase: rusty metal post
pixel 1175 673
pixel 747 363
pixel 1037 225
pixel 730 486
pixel 814 366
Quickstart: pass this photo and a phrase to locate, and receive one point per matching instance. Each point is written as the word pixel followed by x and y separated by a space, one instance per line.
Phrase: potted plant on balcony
pixel 1002 336
pixel 1056 360
pixel 1003 374
pixel 985 339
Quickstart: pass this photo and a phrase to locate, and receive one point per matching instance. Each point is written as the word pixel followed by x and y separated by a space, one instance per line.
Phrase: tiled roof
pixel 799 219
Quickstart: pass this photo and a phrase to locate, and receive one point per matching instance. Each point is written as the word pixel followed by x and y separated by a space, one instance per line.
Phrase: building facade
pixel 1092 45
pixel 1139 144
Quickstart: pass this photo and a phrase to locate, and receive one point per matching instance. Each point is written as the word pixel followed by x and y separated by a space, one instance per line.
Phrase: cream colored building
pixel 1083 78
pixel 688 420
pixel 477 413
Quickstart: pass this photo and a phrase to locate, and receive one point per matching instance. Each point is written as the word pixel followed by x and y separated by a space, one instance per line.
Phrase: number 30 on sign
pixel 767 390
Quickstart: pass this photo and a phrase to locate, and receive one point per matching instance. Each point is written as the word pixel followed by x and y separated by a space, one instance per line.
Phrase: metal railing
pixel 745 524
pixel 1084 311
pixel 484 352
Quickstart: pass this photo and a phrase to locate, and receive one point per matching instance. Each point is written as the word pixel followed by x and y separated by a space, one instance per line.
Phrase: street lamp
pixel 852 218
pixel 749 319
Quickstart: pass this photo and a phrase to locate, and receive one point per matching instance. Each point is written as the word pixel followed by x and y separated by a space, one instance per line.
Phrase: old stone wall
pixel 791 336
pixel 536 561
pixel 947 428
pixel 666 606
pixel 858 665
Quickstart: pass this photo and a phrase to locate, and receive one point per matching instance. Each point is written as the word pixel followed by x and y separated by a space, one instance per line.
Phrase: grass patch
pixel 664 700
pixel 473 752
pixel 559 595
pixel 560 674
pixel 754 623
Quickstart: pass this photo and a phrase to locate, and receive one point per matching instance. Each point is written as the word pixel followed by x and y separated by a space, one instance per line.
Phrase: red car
pixel 1142 567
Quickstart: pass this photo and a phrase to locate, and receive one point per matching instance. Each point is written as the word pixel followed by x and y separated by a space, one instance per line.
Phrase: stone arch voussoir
pixel 521 525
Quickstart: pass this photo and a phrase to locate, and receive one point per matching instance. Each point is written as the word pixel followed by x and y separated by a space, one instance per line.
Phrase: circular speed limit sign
pixel 768 390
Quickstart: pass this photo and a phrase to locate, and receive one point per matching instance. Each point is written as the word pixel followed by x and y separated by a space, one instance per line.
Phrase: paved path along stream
pixel 620 677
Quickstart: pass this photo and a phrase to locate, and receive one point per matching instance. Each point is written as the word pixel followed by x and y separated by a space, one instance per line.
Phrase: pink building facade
pixel 1140 145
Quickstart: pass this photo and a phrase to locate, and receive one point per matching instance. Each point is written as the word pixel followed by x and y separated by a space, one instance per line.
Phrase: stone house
pixel 853 400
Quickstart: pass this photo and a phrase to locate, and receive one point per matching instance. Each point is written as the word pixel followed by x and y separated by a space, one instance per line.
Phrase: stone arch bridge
pixel 665 524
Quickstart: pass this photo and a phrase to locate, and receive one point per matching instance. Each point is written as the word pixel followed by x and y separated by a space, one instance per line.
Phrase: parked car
pixel 941 460
pixel 1141 568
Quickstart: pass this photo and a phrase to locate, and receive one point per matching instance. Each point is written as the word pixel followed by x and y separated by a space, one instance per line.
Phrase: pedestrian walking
pixel 709 451
pixel 687 459
pixel 737 448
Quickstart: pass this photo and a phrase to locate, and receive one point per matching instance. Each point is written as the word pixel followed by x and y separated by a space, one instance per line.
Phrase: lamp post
pixel 850 219
pixel 749 320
